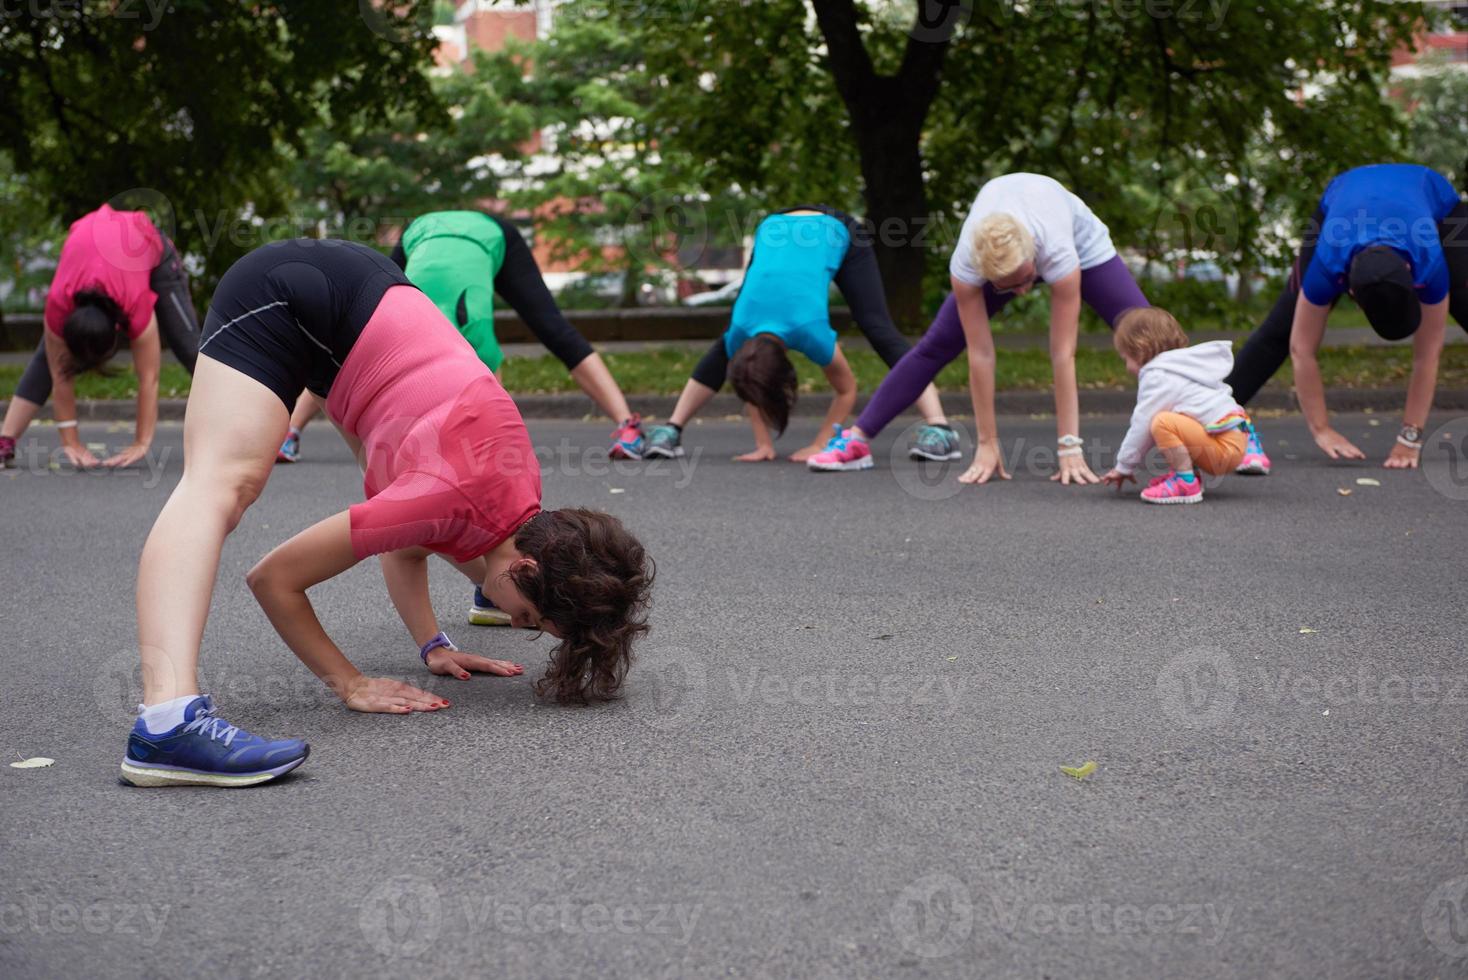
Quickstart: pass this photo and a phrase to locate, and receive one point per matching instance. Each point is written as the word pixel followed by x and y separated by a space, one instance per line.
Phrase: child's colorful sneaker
pixel 205 750
pixel 627 441
pixel 663 442
pixel 7 452
pixel 290 450
pixel 935 442
pixel 844 451
pixel 1254 463
pixel 483 612
pixel 1174 489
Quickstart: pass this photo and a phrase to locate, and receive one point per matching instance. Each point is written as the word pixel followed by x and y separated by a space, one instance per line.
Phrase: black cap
pixel 1381 284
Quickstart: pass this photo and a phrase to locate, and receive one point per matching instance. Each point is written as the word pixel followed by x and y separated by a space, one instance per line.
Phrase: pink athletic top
pixel 448 463
pixel 114 252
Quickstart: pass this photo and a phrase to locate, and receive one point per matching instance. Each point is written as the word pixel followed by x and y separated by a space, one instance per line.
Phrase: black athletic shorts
pixel 288 313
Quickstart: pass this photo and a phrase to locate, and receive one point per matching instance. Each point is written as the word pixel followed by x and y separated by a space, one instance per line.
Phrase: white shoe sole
pixel 140 775
pixel 1196 498
pixel 1253 469
pixel 915 453
pixel 663 453
pixel 865 463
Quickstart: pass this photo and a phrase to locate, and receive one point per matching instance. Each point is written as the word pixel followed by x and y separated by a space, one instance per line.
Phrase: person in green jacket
pixel 460 259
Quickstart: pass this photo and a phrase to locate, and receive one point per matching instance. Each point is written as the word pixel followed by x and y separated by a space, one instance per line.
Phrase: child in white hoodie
pixel 1182 404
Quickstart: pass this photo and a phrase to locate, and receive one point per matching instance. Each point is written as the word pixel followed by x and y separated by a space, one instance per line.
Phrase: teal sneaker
pixel 663 442
pixel 935 442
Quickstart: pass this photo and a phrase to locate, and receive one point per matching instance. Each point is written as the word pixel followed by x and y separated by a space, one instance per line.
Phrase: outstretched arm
pixel 63 402
pixel 1065 320
pixel 1306 334
pixel 843 384
pixel 1427 348
pixel 406 575
pixel 973 313
pixel 147 362
pixel 280 581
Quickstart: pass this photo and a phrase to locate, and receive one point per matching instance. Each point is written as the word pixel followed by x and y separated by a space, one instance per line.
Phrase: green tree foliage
pixel 356 177
pixel 611 191
pixel 1437 104
pixel 1163 114
pixel 192 99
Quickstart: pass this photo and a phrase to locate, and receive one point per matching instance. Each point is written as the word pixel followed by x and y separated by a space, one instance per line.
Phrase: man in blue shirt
pixel 1394 236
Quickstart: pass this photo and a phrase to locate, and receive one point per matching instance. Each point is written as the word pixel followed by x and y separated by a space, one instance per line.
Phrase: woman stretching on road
pixel 117 276
pixel 448 469
pixel 460 259
pixel 784 305
pixel 1022 229
pixel 1394 236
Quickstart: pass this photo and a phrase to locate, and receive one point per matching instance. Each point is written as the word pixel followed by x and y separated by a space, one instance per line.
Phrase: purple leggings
pixel 1108 288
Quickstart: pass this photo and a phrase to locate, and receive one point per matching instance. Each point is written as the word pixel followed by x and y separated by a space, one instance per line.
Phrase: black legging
pixel 521 284
pixel 178 326
pixel 860 283
pixel 1269 346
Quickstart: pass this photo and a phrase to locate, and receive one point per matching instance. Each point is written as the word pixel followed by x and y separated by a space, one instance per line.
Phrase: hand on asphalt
pixel 986 465
pixel 457 663
pixel 387 695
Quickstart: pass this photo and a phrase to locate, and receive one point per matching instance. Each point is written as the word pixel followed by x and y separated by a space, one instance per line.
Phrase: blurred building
pixel 1447 41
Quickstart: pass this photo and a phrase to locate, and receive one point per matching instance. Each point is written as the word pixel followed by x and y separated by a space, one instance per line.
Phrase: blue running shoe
pixel 290 450
pixel 206 750
pixel 935 442
pixel 483 612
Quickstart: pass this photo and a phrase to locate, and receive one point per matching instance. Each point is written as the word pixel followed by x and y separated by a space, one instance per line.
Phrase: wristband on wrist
pixel 1073 451
pixel 1409 443
pixel 68 424
pixel 440 639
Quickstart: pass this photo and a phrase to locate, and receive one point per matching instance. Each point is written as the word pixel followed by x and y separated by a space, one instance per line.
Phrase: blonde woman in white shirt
pixel 1023 229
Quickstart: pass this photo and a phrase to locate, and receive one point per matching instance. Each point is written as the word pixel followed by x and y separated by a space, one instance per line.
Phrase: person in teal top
pixel 784 294
pixel 784 305
pixel 461 259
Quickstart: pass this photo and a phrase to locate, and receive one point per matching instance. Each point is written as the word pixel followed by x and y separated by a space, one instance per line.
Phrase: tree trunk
pixel 887 114
pixel 897 207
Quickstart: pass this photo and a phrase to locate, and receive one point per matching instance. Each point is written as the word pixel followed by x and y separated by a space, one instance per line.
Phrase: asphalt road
pixel 838 756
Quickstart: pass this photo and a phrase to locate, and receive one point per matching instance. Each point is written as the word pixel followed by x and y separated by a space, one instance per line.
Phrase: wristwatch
pixel 1410 436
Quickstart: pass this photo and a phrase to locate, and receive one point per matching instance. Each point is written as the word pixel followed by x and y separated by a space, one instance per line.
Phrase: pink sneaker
pixel 627 441
pixel 1254 463
pixel 844 452
pixel 1173 489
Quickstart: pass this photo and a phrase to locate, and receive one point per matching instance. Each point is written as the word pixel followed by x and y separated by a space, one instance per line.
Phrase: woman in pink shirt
pixel 448 469
pixel 117 276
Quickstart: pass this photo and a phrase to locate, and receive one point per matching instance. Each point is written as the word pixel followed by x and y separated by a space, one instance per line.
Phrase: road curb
pixel 1093 402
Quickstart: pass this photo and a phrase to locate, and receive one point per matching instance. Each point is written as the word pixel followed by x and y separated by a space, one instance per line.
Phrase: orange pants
pixel 1212 453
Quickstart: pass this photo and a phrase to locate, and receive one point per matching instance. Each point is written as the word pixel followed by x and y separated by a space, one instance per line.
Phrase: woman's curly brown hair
pixel 592 579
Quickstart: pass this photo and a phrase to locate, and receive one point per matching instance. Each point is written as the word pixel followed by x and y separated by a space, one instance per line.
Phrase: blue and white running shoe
pixel 935 442
pixel 206 750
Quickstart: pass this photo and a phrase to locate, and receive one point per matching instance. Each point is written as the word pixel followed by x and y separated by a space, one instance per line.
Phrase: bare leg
pixel 19 415
pixel 307 408
pixel 694 397
pixel 597 381
pixel 232 428
pixel 930 407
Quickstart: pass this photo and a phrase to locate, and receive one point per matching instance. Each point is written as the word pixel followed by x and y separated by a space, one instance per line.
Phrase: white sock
pixel 164 717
